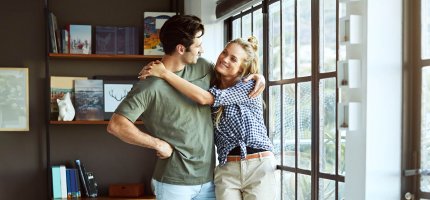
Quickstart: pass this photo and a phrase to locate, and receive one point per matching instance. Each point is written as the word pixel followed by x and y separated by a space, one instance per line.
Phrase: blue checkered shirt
pixel 241 123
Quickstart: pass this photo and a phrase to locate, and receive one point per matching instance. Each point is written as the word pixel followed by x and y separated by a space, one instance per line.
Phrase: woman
pixel 247 166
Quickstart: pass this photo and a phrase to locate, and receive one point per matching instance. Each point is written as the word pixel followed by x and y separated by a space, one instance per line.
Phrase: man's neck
pixel 172 63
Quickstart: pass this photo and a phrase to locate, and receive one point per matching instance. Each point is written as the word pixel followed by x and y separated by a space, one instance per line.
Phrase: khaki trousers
pixel 252 179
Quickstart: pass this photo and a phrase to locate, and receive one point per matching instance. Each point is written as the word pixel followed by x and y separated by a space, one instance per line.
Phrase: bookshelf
pixel 111 160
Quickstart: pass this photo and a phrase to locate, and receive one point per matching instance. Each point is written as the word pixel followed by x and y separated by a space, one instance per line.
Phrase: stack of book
pixel 117 40
pixel 67 182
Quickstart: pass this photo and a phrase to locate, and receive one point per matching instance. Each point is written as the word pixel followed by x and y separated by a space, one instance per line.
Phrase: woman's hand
pixel 154 68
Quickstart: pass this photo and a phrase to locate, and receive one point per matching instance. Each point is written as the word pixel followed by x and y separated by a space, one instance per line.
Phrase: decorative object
pixel 89 99
pixel 66 110
pixel 114 93
pixel 60 85
pixel 14 112
pixel 153 21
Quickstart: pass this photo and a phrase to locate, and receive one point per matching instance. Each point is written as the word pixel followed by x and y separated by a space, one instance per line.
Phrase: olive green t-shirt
pixel 187 126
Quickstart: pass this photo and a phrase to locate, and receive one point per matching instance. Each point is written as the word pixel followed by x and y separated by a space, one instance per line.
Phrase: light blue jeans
pixel 165 191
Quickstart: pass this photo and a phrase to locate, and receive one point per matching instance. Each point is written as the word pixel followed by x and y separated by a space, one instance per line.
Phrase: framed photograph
pixel 114 92
pixel 14 112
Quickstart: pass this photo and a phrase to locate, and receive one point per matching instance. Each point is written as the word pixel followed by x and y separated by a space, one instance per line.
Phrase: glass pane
pixel 327 143
pixel 304 108
pixel 289 106
pixel 304 187
pixel 275 120
pixel 342 9
pixel 327 35
pixel 274 42
pixel 304 37
pixel 425 127
pixel 288 39
pixel 258 32
pixel 237 28
pixel 327 189
pixel 246 26
pixel 425 29
pixel 289 186
pixel 341 190
pixel 342 143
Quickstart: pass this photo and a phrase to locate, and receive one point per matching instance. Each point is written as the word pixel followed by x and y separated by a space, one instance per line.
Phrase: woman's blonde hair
pixel 249 65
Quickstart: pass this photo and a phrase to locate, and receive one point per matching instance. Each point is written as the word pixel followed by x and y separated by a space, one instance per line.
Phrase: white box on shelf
pixel 350 29
pixel 349 73
pixel 349 115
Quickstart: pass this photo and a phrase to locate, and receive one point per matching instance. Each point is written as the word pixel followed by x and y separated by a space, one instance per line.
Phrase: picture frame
pixel 114 92
pixel 14 98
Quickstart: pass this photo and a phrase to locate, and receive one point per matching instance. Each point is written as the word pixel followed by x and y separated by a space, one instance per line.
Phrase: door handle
pixel 414 172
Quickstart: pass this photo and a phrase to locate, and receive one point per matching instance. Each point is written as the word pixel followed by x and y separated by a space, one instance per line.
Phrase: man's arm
pixel 260 84
pixel 122 128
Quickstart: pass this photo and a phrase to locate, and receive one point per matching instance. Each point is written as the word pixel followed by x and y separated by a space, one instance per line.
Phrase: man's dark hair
pixel 180 29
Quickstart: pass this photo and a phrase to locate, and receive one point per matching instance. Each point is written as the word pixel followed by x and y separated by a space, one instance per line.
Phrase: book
pixel 87 179
pixel 106 39
pixel 79 39
pixel 152 23
pixel 75 183
pixel 82 176
pixel 65 41
pixel 89 99
pixel 63 181
pixel 56 182
pixel 127 40
pixel 60 85
pixel 52 23
pixel 69 183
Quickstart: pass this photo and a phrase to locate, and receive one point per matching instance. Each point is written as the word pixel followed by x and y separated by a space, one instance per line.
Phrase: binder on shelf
pixel 87 180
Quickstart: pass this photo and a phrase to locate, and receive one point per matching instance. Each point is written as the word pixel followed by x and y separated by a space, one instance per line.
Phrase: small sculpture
pixel 66 110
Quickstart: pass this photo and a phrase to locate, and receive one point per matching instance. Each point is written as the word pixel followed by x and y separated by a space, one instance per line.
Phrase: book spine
pixel 69 183
pixel 56 182
pixel 63 181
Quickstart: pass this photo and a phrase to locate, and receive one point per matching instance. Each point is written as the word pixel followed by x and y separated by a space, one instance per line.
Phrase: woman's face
pixel 229 62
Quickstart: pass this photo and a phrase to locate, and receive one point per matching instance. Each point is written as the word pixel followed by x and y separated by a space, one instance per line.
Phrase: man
pixel 181 130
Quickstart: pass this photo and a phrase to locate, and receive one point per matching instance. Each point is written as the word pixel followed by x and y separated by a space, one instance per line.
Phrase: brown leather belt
pixel 250 156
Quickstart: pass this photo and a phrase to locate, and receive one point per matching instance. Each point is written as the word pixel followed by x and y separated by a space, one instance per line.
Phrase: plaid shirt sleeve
pixel 233 95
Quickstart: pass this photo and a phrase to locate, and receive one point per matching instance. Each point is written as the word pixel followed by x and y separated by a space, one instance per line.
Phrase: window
pixel 300 67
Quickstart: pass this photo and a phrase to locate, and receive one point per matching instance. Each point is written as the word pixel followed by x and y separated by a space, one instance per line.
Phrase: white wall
pixel 213 40
pixel 384 99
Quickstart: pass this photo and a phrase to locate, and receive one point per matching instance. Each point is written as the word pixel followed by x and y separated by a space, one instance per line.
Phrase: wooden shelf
pixel 103 56
pixel 85 122
pixel 118 198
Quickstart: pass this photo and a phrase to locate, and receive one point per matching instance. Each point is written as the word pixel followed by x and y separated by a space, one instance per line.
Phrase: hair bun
pixel 254 42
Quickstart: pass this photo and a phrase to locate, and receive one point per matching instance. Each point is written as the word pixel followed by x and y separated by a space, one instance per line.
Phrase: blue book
pixel 56 182
pixel 69 181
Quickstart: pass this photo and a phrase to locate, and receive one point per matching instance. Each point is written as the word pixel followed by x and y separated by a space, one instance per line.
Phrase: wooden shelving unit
pixel 88 140
pixel 85 122
pixel 102 56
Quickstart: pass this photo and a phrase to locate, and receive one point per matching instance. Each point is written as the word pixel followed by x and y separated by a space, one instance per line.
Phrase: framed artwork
pixel 114 92
pixel 14 111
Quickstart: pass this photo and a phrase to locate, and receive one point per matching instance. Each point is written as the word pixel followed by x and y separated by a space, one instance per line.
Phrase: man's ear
pixel 180 49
